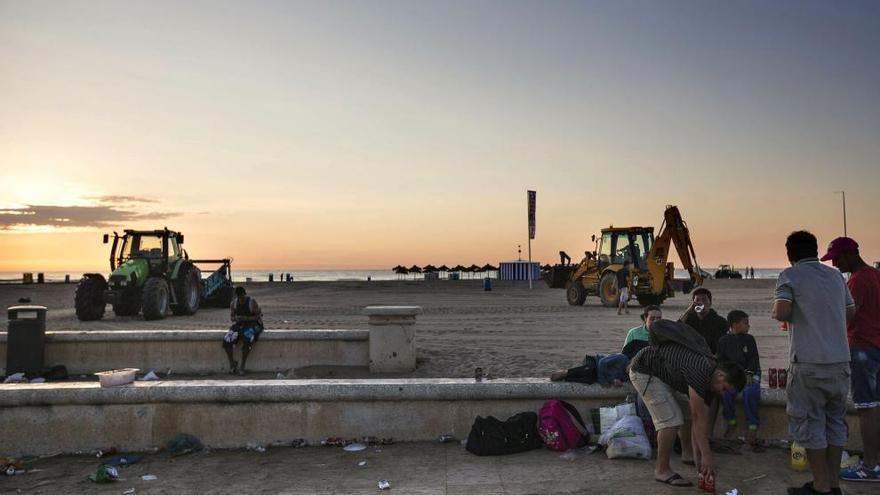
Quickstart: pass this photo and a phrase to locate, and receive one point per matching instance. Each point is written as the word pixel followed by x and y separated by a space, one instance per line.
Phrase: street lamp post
pixel 843 197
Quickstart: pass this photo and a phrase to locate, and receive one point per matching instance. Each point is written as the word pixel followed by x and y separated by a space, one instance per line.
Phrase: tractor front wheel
pixel 576 294
pixel 608 290
pixel 188 290
pixel 155 298
pixel 89 298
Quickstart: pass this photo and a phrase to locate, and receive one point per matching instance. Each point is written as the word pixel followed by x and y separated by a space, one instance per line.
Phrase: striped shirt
pixel 677 366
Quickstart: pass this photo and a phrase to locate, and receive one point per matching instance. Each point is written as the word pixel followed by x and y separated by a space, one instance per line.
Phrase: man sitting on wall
pixel 248 318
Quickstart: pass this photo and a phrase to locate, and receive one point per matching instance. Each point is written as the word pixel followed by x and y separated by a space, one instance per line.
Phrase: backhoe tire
pixel 129 306
pixel 155 298
pixel 576 293
pixel 89 298
pixel 187 289
pixel 608 290
pixel 649 299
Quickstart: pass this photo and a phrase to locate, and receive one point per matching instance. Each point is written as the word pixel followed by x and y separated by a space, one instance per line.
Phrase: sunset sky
pixel 365 134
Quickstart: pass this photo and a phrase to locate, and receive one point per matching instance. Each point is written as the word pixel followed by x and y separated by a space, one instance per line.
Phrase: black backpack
pixel 491 436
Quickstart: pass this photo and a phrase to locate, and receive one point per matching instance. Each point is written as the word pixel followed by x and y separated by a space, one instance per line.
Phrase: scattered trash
pixel 10 462
pixel 733 491
pixel 333 442
pixel 572 454
pixel 285 321
pixel 114 378
pixel 15 378
pixel 150 376
pixel 123 460
pixel 38 379
pixel 362 463
pixel 10 471
pixel 384 485
pixel 184 443
pixel 378 451
pixel 130 491
pixel 280 376
pixel 105 452
pixel 849 461
pixel 299 442
pixel 105 474
pixel 754 478
pixel 168 373
pixel 149 477
pixel 354 447
pixel 256 447
pixel 446 438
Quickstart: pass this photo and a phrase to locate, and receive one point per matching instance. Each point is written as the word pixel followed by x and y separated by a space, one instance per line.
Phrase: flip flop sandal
pixel 671 481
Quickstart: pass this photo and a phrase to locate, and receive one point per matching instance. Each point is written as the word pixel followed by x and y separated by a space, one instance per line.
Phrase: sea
pixel 279 274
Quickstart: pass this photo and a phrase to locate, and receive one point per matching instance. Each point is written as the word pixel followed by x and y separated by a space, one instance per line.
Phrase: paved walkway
pixel 415 468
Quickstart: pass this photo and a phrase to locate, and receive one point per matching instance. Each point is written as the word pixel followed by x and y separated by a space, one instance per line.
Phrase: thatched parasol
pixel 429 269
pixel 400 271
pixel 415 269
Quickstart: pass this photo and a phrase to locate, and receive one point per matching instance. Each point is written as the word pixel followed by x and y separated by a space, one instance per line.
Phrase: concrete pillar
pixel 392 338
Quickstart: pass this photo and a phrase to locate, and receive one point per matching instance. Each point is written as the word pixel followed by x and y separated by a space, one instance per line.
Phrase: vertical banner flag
pixel 532 195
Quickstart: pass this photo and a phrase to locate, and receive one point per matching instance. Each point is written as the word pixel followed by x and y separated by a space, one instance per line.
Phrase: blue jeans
pixel 610 367
pixel 751 397
pixel 865 366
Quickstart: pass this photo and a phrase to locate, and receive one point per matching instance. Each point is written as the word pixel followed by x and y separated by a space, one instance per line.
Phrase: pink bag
pixel 561 426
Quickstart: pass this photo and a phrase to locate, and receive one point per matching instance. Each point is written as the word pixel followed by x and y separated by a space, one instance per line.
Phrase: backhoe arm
pixel 673 231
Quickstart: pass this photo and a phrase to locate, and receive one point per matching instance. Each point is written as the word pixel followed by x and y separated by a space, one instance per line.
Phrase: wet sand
pixel 511 331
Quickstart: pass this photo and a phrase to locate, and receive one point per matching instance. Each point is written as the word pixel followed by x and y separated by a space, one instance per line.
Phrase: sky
pixel 366 134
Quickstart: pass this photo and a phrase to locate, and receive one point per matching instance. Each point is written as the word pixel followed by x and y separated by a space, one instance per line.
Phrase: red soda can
pixel 783 325
pixel 773 380
pixel 782 379
pixel 709 483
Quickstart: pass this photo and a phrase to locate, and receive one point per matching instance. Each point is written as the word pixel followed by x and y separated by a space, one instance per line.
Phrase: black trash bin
pixel 25 341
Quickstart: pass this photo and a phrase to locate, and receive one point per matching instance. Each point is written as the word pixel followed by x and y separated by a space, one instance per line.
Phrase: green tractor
pixel 151 273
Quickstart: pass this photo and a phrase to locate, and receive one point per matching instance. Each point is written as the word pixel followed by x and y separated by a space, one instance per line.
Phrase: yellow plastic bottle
pixel 798 457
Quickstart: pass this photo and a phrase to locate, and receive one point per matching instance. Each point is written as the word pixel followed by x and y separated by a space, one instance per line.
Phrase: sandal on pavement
pixel 675 480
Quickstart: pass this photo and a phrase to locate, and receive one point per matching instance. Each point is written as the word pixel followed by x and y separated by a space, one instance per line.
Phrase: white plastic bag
pixel 627 439
pixel 608 416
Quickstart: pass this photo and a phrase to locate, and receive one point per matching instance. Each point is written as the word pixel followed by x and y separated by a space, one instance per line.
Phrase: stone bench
pixel 198 351
pixel 79 416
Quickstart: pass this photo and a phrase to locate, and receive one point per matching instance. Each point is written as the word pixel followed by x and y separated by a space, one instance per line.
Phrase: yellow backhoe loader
pixel 653 275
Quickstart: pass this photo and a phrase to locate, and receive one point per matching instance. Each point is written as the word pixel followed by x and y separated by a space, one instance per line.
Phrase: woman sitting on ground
pixel 610 369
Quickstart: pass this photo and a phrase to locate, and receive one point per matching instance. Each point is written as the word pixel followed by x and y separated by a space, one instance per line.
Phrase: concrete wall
pixel 198 351
pixel 67 417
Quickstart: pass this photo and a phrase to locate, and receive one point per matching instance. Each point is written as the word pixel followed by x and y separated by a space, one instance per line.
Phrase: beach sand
pixel 511 331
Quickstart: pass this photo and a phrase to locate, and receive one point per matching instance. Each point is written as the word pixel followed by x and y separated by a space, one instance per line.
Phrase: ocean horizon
pixel 331 275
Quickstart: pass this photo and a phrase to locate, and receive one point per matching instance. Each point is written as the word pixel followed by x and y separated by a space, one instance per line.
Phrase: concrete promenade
pixel 411 468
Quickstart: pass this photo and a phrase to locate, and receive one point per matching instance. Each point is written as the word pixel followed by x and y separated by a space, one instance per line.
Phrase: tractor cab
pixel 158 248
pixel 617 246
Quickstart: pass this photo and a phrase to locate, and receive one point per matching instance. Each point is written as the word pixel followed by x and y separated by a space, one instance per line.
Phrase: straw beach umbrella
pixel 429 269
pixel 443 268
pixel 415 269
pixel 473 269
pixel 401 271
pixel 488 268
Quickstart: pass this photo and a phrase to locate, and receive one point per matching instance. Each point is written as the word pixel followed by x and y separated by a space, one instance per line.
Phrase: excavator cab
pixel 617 246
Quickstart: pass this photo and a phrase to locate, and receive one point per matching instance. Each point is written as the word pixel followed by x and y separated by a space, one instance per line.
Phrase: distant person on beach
pixel 814 302
pixel 701 317
pixel 863 335
pixel 623 283
pixel 677 377
pixel 248 326
pixel 611 368
pixel 739 347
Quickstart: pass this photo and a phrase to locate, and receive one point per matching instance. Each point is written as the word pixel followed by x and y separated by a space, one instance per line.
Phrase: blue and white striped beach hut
pixel 518 270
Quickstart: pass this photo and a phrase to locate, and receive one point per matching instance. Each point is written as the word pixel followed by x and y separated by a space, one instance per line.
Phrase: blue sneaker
pixel 861 473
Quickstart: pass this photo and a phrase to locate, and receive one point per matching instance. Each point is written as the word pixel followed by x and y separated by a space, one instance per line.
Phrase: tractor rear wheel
pixel 576 294
pixel 155 298
pixel 187 289
pixel 649 299
pixel 129 306
pixel 89 298
pixel 608 290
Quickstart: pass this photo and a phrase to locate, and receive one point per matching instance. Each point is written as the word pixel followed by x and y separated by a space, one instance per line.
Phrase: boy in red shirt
pixel 863 333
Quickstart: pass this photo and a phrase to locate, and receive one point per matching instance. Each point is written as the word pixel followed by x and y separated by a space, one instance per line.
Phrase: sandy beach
pixel 511 331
